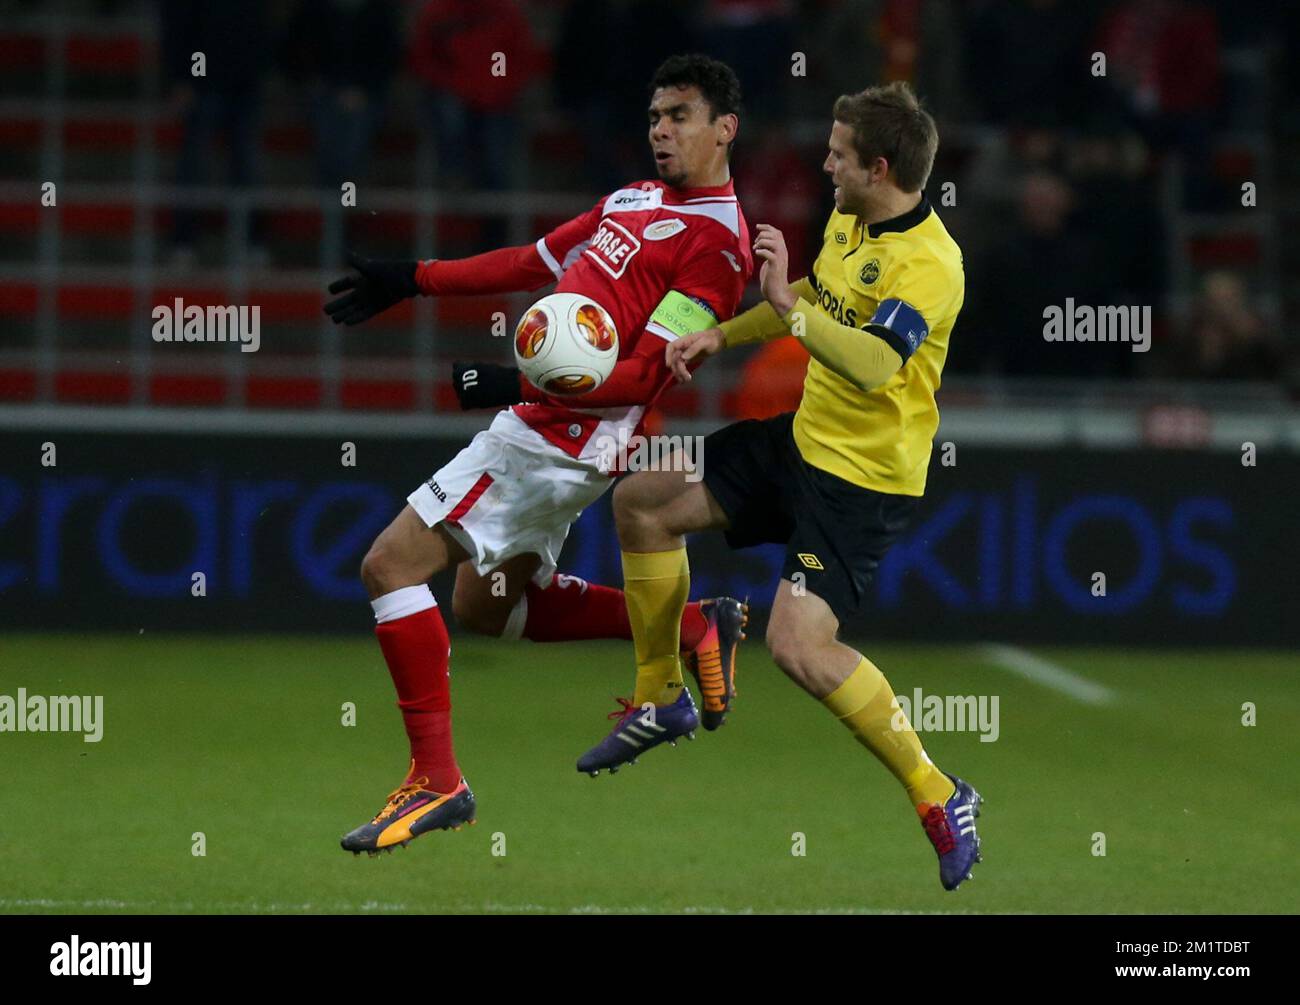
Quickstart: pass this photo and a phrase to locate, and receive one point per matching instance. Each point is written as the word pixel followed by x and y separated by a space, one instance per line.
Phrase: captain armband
pixel 900 325
pixel 681 315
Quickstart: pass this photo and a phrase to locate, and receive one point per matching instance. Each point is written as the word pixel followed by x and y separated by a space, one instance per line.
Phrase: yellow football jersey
pixel 900 280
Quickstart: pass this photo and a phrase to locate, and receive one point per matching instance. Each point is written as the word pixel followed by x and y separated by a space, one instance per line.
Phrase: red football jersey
pixel 626 253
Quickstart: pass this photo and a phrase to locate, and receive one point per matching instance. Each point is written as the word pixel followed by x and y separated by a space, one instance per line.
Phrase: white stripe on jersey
pixel 725 213
pixel 548 258
pixel 661 331
pixel 560 268
pixel 724 209
pixel 573 254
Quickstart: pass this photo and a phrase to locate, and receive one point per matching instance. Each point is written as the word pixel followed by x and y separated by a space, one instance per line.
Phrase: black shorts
pixel 835 532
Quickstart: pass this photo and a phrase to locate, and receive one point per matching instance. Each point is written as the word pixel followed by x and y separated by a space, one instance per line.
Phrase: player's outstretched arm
pixel 381 283
pixel 862 357
pixel 376 286
pixel 684 354
pixel 486 385
pixel 760 323
pixel 866 363
pixel 637 380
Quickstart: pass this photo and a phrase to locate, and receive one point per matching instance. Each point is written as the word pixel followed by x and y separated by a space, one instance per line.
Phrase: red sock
pixel 694 625
pixel 417 649
pixel 571 608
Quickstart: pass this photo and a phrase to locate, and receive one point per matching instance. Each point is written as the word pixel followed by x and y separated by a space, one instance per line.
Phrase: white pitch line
pixel 252 907
pixel 1040 671
pixel 71 906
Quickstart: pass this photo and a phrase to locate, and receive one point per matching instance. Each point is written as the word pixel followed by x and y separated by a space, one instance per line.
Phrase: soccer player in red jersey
pixel 664 257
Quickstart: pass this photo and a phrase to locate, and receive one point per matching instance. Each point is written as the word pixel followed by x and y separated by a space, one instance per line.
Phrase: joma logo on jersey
pixel 631 197
pixel 613 247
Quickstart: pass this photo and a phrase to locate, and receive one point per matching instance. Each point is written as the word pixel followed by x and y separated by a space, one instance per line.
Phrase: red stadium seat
pixel 187 389
pixel 17 385
pixel 378 394
pixel 283 392
pixel 93 386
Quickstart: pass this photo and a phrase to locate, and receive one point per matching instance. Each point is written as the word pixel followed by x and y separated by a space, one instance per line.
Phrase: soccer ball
pixel 566 344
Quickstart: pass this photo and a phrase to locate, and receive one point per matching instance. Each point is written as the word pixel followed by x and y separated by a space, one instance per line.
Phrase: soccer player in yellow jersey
pixel 836 481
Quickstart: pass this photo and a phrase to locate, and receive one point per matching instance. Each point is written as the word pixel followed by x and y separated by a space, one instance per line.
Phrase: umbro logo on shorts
pixel 811 561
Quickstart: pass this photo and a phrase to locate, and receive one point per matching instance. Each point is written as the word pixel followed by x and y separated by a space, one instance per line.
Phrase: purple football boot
pixel 951 829
pixel 638 730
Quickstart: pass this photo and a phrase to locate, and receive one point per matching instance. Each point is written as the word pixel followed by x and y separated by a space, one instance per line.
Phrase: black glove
pixel 486 385
pixel 379 285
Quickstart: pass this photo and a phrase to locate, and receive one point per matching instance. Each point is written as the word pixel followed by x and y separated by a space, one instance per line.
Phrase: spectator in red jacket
pixel 1163 56
pixel 344 53
pixel 476 59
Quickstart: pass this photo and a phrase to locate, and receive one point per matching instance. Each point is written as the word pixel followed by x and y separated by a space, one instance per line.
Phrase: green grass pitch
pixel 241 738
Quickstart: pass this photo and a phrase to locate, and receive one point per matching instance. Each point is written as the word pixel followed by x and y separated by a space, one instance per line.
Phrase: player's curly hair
pixel 717 82
pixel 888 121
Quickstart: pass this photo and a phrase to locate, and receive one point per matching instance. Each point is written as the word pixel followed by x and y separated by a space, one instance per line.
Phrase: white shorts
pixel 509 493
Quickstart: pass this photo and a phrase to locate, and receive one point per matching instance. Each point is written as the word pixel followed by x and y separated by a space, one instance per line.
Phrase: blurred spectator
pixel 1226 337
pixel 756 39
pixel 1111 177
pixel 605 89
pixel 1288 68
pixel 772 380
pixel 1163 56
pixel 1040 259
pixel 1006 158
pixel 456 51
pixel 235 40
pixel 344 52
pixel 857 43
pixel 1028 60
pixel 777 183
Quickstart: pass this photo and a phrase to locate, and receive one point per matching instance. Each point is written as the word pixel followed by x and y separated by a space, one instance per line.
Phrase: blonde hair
pixel 888 121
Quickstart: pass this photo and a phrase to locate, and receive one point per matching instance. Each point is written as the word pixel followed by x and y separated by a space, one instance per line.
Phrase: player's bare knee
pixel 628 497
pixel 385 569
pixel 787 652
pixel 376 570
pixel 474 616
pixel 463 608
pixel 634 507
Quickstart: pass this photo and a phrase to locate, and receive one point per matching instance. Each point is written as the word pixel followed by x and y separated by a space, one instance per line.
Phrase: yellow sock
pixel 865 703
pixel 656 585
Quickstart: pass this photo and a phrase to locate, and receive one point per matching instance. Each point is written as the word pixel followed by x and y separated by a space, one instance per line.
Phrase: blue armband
pixel 900 325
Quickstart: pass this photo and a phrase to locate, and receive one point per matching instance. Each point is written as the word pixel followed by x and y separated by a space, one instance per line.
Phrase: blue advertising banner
pixel 1158 547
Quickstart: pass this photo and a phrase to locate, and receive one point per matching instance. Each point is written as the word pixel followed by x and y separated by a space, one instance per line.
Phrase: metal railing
pixel 143 270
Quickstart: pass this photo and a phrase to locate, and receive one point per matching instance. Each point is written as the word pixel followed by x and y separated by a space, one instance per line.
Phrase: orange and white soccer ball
pixel 566 344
